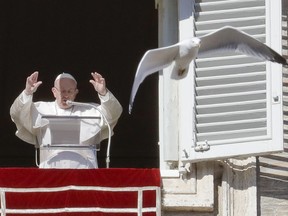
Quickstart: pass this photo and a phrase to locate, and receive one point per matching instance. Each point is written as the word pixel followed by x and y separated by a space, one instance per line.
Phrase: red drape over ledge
pixel 76 192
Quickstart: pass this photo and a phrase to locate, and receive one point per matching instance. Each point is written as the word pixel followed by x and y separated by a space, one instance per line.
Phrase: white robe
pixel 30 126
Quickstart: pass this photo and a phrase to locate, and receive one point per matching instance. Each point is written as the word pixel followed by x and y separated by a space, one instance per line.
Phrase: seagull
pixel 182 53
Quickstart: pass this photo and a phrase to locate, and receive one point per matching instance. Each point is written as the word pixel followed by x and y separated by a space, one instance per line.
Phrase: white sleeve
pixel 24 97
pixel 105 97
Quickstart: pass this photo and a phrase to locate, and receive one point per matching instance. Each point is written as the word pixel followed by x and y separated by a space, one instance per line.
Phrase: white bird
pixel 182 53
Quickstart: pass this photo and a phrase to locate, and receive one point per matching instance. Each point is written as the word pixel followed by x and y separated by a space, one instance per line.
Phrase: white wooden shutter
pixel 237 100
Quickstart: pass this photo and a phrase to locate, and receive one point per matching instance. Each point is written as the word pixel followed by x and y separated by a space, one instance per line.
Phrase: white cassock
pixel 34 129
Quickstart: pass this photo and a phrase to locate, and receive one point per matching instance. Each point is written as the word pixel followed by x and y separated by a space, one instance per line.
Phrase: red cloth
pixel 54 178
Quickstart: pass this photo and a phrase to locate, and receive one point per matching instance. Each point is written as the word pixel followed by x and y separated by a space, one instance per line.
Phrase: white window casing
pixel 228 105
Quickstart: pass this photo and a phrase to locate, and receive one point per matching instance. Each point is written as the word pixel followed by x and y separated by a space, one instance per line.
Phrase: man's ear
pixel 54 91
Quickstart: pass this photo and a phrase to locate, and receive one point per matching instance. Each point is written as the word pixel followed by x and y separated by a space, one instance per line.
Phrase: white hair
pixel 64 75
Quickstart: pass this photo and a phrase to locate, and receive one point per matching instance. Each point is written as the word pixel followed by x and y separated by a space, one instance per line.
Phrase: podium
pixel 69 141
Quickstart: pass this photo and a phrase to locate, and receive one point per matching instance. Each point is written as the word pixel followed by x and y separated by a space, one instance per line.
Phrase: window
pixel 229 105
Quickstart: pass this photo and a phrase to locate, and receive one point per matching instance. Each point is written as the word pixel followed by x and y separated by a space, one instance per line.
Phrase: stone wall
pixel 273 169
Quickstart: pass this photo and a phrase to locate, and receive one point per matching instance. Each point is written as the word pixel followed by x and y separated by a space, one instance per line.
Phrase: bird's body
pixel 188 50
pixel 182 53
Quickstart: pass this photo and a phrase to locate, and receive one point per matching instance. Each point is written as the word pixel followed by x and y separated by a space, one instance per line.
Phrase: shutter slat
pixel 225 5
pixel 215 62
pixel 236 22
pixel 233 56
pixel 231 125
pixel 231 136
pixel 231 78
pixel 231 67
pixel 229 107
pixel 231 88
pixel 230 70
pixel 231 98
pixel 231 116
pixel 231 13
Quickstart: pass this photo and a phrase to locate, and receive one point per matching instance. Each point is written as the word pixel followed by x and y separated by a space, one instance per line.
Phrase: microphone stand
pixel 69 102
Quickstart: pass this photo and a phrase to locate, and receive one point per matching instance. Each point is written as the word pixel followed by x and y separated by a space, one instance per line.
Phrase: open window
pixel 229 105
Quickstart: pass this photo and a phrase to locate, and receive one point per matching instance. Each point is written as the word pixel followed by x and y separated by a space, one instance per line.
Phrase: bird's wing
pixel 152 61
pixel 230 38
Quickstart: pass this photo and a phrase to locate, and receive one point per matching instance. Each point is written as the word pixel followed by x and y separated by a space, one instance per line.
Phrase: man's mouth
pixel 64 101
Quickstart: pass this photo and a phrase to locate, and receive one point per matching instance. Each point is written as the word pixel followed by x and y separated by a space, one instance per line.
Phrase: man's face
pixel 64 89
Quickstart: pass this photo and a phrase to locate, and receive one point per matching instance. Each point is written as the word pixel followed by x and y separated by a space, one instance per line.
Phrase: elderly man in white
pixel 27 115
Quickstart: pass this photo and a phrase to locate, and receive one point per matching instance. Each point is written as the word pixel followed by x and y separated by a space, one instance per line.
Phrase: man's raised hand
pixel 32 83
pixel 99 83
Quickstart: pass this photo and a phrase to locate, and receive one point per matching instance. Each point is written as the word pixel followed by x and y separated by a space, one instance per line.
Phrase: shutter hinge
pixel 202 147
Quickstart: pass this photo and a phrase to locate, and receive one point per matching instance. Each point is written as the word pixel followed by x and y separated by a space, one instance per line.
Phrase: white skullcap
pixel 65 75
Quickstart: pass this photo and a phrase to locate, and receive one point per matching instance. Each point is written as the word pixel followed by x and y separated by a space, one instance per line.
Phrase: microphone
pixel 70 103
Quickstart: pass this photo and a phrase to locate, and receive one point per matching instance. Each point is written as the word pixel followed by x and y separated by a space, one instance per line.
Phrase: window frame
pixel 176 116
